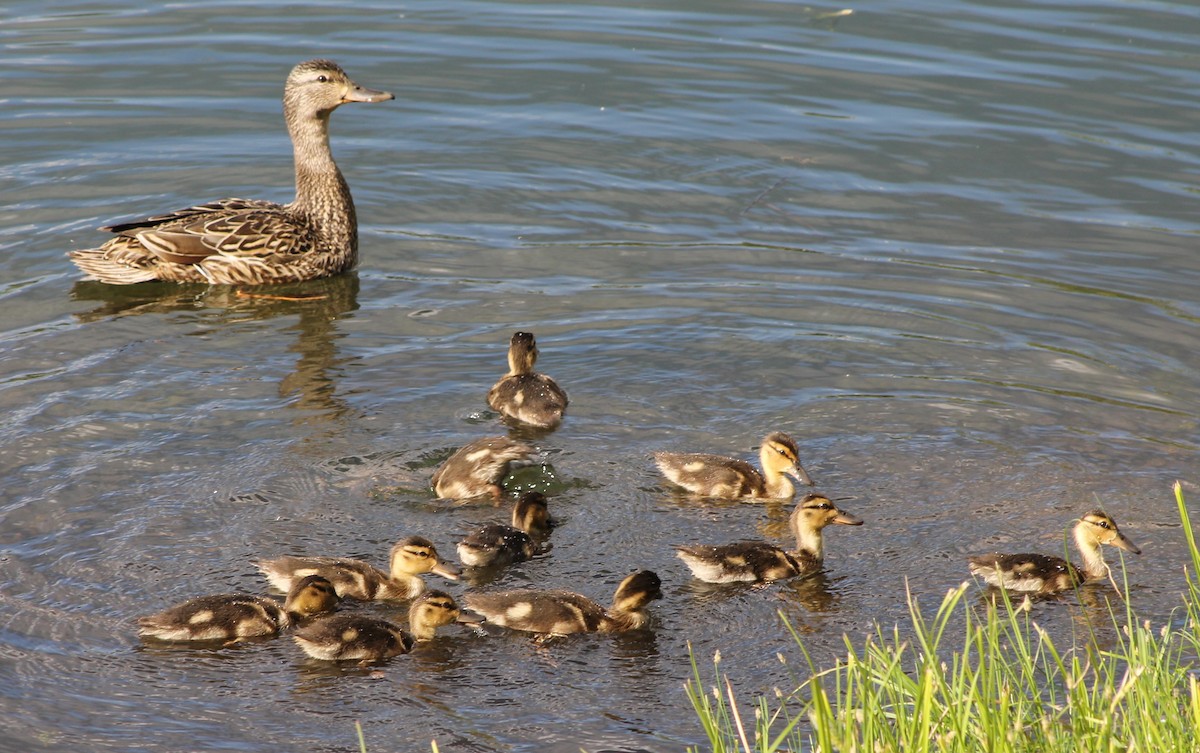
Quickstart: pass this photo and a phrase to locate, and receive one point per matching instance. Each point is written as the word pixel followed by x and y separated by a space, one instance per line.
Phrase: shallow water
pixel 952 252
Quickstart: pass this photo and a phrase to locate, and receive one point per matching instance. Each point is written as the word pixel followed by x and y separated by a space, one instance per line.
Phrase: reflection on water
pixel 318 305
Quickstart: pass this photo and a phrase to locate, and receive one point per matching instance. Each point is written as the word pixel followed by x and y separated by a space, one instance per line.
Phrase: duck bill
pixel 1123 543
pixel 362 94
pixel 846 519
pixel 446 570
pixel 470 618
pixel 801 475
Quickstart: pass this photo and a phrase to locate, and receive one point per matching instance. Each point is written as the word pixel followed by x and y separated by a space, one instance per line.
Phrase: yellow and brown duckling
pixel 523 394
pixel 477 469
pixel 760 562
pixel 557 612
pixel 409 559
pixel 247 241
pixel 1045 574
pixel 730 478
pixel 354 637
pixel 234 617
pixel 497 545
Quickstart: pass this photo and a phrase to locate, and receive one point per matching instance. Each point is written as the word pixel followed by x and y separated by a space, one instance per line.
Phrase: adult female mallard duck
pixel 410 558
pixel 760 562
pixel 234 617
pixel 729 478
pixel 478 468
pixel 248 241
pixel 366 639
pixel 496 544
pixel 1045 574
pixel 565 612
pixel 523 394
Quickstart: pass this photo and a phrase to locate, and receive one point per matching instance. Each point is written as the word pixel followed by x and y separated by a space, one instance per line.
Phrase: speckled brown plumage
pixel 247 241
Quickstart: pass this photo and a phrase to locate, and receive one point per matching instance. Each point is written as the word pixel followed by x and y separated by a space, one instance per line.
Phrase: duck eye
pixel 323 79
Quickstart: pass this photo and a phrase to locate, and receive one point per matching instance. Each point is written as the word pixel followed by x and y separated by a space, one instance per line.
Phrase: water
pixel 950 249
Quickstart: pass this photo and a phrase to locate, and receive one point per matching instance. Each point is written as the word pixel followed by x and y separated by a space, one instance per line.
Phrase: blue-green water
pixel 950 249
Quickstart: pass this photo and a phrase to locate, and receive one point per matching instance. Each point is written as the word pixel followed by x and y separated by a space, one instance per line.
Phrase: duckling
pixel 233 617
pixel 1045 574
pixel 354 579
pixel 523 394
pixel 250 241
pixel 564 612
pixel 729 478
pixel 367 639
pixel 496 544
pixel 478 468
pixel 760 562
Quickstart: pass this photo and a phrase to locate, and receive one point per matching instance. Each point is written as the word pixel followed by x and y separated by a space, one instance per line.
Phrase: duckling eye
pixel 323 79
pixel 1102 523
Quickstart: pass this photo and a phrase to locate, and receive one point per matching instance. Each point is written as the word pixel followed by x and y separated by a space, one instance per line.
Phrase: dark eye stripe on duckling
pixel 816 502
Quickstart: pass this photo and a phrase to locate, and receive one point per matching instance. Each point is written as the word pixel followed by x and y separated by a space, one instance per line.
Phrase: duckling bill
pixel 250 241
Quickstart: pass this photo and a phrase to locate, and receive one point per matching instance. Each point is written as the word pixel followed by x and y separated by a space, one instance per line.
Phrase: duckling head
pixel 416 555
pixel 318 87
pixel 531 514
pixel 636 591
pixel 1097 527
pixel 780 454
pixel 311 595
pixel 430 611
pixel 811 515
pixel 522 353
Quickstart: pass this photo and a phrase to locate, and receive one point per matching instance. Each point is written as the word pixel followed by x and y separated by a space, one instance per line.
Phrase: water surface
pixel 951 251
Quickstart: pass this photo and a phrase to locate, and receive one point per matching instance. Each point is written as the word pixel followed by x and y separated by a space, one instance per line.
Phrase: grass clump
pixel 970 680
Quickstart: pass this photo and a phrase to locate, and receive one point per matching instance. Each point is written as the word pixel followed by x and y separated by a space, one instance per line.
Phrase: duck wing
pixel 351 578
pixel 549 612
pixel 1026 572
pixel 220 617
pixel 237 227
pixel 710 475
pixel 744 561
